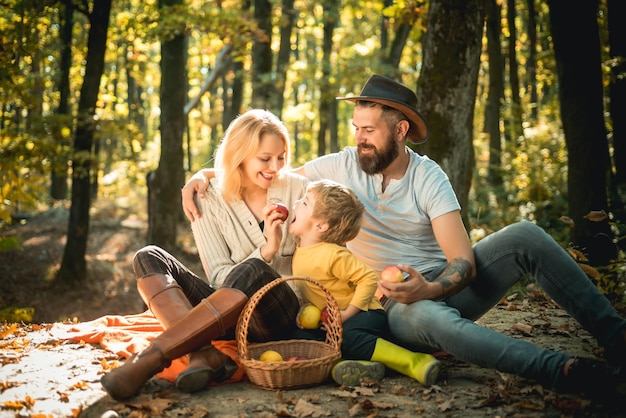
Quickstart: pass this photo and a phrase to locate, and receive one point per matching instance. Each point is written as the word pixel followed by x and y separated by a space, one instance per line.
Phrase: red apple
pixel 296 358
pixel 324 316
pixel 282 210
pixel 392 274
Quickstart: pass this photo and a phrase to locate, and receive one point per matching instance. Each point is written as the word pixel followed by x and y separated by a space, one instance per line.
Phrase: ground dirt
pixel 41 376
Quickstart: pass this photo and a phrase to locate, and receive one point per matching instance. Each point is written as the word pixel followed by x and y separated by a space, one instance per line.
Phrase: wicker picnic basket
pixel 321 356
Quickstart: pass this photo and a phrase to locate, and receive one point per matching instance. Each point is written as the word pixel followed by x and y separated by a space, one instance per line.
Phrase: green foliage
pixel 406 11
pixel 612 281
pixel 235 26
pixel 534 184
pixel 11 243
pixel 22 180
pixel 13 314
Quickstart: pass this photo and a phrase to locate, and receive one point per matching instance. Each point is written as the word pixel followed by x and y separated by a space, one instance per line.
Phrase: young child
pixel 328 216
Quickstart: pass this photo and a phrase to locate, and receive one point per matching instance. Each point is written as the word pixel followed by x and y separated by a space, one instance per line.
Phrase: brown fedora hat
pixel 386 91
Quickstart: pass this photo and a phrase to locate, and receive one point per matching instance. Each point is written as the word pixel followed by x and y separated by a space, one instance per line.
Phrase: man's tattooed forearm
pixel 457 274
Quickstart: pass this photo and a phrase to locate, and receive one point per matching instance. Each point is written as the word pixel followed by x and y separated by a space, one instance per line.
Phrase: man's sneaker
pixel 597 379
pixel 616 353
pixel 352 372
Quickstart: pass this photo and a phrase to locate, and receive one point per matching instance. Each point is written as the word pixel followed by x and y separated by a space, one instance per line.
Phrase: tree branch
pixel 222 62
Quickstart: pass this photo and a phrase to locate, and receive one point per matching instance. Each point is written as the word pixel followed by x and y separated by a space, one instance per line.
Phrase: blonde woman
pixel 243 244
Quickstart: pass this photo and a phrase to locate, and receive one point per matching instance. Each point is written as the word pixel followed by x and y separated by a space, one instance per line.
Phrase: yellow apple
pixel 271 355
pixel 392 274
pixel 309 317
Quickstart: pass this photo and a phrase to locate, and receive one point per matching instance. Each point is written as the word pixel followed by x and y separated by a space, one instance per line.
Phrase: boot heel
pixel 193 380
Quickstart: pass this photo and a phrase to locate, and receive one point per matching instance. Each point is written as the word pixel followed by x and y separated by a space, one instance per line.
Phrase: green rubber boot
pixel 352 372
pixel 420 366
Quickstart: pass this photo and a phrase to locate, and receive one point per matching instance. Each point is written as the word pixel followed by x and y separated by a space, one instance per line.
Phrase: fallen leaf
pixel 446 405
pixel 532 405
pixel 354 410
pixel 7 330
pixel 307 409
pixel 343 393
pixel 384 404
pixel 596 216
pixel 7 385
pixel 398 390
pixel 17 405
pixel 523 328
pixel 63 397
pixel 77 411
pixel 79 385
pixel 363 391
pixel 590 271
pixel 576 254
pixel 567 221
pixel 147 403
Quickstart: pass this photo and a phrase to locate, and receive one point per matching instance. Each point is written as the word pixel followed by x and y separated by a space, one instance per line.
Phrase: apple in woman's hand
pixel 392 274
pixel 282 210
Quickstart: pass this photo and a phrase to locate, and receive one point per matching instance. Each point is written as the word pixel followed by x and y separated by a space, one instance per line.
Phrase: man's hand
pixel 414 288
pixel 197 184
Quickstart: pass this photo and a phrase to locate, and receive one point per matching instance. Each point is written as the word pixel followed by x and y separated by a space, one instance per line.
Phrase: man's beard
pixel 380 159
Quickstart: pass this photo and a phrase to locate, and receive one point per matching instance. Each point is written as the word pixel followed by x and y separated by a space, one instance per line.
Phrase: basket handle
pixel 334 329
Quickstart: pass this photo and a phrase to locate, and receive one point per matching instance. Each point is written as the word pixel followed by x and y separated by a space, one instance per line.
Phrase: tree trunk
pixel 575 34
pixel 58 179
pixel 495 93
pixel 391 56
pixel 262 84
pixel 449 78
pixel 73 266
pixel 236 96
pixel 617 105
pixel 516 102
pixel 164 185
pixel 397 46
pixel 327 96
pixel 284 53
pixel 531 62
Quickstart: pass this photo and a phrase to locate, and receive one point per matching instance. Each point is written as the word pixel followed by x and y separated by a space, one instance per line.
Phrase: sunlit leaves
pixel 235 26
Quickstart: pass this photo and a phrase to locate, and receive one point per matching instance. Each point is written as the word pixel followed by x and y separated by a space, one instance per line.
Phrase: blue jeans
pixel 502 259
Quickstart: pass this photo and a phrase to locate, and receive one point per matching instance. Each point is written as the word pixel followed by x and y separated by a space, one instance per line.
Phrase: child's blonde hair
pixel 241 140
pixel 337 205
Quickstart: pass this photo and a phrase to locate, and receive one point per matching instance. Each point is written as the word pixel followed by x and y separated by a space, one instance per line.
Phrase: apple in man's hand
pixel 282 210
pixel 392 274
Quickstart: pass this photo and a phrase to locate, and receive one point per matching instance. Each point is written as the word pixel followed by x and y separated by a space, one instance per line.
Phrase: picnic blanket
pixel 126 335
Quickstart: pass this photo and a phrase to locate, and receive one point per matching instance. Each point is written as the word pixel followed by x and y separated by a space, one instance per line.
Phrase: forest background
pixel 121 101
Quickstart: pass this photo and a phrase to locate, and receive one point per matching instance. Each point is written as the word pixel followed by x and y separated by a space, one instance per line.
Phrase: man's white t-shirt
pixel 397 223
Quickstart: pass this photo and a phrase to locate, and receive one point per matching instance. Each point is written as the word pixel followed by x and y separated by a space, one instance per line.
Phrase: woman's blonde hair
pixel 337 205
pixel 241 140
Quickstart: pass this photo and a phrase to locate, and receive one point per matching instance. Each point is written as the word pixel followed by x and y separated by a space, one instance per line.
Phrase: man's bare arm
pixel 197 184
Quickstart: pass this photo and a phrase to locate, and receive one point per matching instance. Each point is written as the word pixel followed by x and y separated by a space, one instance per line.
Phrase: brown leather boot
pixel 208 320
pixel 205 365
pixel 165 298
